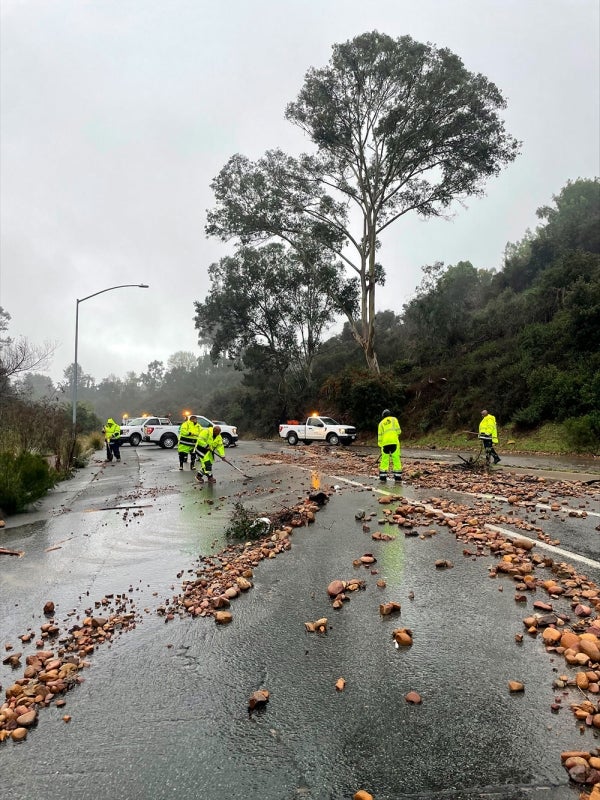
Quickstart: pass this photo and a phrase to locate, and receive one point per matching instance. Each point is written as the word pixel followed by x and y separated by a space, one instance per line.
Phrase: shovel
pixel 234 466
pixel 109 455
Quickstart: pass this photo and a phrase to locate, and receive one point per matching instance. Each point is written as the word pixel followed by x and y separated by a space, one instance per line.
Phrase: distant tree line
pixel 523 340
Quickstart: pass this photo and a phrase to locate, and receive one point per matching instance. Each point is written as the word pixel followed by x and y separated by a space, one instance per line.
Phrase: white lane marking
pixel 559 551
pixel 579 513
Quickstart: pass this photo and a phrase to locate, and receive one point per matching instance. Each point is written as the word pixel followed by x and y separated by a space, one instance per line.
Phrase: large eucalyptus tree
pixel 398 126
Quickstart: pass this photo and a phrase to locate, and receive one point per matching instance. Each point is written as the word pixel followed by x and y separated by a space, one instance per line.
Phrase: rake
pixel 226 460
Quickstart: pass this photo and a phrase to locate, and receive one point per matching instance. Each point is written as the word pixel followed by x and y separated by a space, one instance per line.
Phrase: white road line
pixel 504 531
pixel 550 547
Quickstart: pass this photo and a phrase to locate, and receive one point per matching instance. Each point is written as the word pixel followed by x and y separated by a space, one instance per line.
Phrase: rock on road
pixel 163 710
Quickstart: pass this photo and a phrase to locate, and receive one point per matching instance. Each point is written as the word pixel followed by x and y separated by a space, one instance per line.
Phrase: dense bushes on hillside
pixel 523 341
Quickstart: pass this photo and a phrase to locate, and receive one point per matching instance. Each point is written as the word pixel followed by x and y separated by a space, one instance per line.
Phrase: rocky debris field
pixel 565 618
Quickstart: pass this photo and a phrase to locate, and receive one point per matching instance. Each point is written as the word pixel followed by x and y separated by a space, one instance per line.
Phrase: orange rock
pixel 335 587
pixel 569 640
pixel 413 697
pixel 362 794
pixel 19 734
pixel 551 636
pixel 569 753
pixel 575 761
pixel 389 608
pixel 581 680
pixel 26 719
pixel 259 698
pixel 403 637
pixel 516 686
pixel 340 684
pixel 589 647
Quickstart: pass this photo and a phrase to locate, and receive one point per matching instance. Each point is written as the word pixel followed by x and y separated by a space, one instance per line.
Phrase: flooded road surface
pixel 163 711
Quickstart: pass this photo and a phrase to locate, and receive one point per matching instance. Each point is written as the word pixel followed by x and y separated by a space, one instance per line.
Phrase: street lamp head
pixel 80 300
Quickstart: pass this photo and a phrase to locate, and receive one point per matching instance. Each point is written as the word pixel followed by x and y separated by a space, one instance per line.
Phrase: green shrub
pixel 245 525
pixel 583 433
pixel 23 479
pixel 95 441
pixel 360 397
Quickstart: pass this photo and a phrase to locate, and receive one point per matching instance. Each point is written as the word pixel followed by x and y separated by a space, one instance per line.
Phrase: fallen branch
pixel 5 552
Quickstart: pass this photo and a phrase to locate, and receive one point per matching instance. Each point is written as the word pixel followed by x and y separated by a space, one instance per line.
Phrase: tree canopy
pixel 268 308
pixel 398 126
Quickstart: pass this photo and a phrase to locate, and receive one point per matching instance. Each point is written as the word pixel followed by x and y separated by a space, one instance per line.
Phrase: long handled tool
pixel 234 466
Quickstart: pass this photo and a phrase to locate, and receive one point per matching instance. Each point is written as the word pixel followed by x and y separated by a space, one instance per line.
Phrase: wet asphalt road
pixel 163 710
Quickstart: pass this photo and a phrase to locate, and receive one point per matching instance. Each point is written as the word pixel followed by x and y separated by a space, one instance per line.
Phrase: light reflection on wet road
pixel 163 710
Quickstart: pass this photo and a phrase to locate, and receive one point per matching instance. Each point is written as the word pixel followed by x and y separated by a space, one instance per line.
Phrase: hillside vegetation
pixel 522 341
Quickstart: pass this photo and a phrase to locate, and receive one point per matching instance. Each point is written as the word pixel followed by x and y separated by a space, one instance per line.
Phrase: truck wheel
pixel 226 439
pixel 168 441
pixel 333 438
pixel 292 438
pixel 135 439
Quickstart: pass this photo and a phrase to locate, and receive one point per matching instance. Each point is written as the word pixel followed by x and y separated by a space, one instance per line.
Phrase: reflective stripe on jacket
pixel 388 431
pixel 207 442
pixel 188 435
pixel 487 428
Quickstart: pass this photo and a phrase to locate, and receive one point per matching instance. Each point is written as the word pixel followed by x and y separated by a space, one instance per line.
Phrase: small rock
pixel 258 699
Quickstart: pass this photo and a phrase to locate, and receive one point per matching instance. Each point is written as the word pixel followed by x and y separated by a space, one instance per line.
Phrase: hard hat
pixel 386 413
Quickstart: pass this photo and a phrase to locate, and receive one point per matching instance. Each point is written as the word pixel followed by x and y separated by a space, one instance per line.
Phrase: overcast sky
pixel 117 114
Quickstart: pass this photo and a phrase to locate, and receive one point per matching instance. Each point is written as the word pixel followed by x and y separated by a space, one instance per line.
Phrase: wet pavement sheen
pixel 163 710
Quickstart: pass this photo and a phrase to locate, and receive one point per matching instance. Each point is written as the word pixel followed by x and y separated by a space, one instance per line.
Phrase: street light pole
pixel 76 375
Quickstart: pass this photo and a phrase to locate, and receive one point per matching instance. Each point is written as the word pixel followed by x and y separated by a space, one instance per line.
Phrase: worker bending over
pixel 209 442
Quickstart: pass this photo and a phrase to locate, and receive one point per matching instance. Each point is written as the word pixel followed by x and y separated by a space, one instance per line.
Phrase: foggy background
pixel 117 114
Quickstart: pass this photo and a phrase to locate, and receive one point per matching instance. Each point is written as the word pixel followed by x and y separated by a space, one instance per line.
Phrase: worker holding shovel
pixel 488 433
pixel 112 435
pixel 209 442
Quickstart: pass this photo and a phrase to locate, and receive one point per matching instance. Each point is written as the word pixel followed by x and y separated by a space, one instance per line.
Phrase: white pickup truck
pixel 165 433
pixel 318 429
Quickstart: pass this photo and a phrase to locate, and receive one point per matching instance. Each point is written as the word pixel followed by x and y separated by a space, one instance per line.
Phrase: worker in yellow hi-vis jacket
pixel 388 439
pixel 209 442
pixel 488 433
